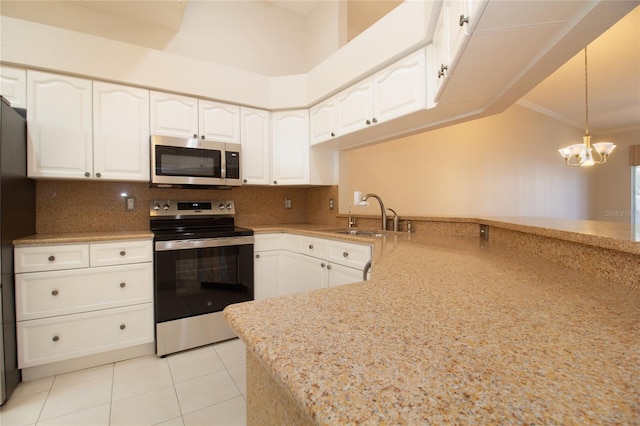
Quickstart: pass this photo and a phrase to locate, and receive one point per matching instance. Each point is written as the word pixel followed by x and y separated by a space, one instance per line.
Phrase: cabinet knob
pixel 123 253
pixel 464 20
pixel 87 174
pixel 257 256
pixel 244 181
pixel 374 120
pixel 333 134
pixel 51 258
pixel 123 285
pixel 202 137
pixel 322 265
pixel 98 174
pixel 54 293
pixel 122 326
pixel 195 136
pixel 310 246
pixel 368 122
pixel 275 182
pixel 345 254
pixel 56 338
pixel 442 70
pixel 329 266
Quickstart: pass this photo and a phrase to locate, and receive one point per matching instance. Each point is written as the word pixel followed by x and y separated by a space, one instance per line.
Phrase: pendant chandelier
pixel 581 154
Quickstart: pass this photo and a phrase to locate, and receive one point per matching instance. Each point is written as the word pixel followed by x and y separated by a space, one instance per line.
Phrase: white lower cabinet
pixel 288 263
pixel 75 300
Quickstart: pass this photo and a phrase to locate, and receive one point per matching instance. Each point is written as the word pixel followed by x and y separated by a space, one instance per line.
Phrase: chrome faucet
pixel 382 209
pixel 396 220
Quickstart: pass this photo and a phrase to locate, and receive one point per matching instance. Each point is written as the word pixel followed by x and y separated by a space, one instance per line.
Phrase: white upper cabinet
pixel 186 117
pixel 173 115
pixel 397 90
pixel 13 86
pixel 59 136
pixel 324 121
pixel 401 88
pixel 290 147
pixel 120 132
pixel 355 107
pixel 456 22
pixel 219 122
pixel 256 146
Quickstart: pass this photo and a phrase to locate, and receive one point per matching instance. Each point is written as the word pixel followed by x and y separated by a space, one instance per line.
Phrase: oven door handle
pixel 203 243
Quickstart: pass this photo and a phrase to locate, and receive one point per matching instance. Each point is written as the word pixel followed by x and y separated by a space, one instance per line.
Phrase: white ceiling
pixel 614 65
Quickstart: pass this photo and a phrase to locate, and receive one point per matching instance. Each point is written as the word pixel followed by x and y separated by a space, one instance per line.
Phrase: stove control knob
pixel 229 206
pixel 221 206
pixel 156 207
pixel 165 207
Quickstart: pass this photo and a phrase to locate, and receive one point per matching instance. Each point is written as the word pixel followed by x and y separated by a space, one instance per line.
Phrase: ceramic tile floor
pixel 203 386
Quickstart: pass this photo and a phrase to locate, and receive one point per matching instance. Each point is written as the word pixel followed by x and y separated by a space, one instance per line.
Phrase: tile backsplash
pixel 90 206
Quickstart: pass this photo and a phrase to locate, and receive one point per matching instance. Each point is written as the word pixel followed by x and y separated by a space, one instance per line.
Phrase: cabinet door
pixel 339 275
pixel 313 273
pixel 324 121
pixel 290 143
pixel 59 136
pixel 173 115
pixel 120 132
pixel 219 122
pixel 13 86
pixel 266 267
pixel 255 140
pixel 289 278
pixel 355 107
pixel 400 89
pixel 438 69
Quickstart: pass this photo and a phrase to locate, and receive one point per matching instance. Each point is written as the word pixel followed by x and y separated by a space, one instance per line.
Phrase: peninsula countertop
pixel 453 330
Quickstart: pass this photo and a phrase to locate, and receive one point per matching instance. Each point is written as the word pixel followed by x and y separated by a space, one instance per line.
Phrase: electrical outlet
pixel 130 204
pixel 287 203
pixel 330 203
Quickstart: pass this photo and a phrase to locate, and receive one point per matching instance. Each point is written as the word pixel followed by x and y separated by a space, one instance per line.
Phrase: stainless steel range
pixel 202 263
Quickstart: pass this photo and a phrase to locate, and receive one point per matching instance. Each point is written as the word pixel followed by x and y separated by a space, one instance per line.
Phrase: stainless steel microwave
pixel 183 162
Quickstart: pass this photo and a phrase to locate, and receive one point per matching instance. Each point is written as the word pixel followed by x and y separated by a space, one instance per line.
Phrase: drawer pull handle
pixel 122 253
pixel 51 258
pixel 54 292
pixel 122 326
pixel 56 338
pixel 345 254
pixel 310 246
pixel 123 285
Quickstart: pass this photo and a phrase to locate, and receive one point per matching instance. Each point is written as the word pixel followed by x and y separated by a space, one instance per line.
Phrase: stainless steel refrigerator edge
pixel 17 219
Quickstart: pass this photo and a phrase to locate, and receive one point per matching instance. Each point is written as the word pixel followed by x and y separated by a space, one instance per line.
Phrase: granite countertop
pixel 453 330
pixel 83 237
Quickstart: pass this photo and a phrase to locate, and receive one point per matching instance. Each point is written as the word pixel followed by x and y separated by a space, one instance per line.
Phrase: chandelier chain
pixel 586 93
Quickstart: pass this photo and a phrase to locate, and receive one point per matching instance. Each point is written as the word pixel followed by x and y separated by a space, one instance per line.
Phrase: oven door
pixel 177 161
pixel 195 277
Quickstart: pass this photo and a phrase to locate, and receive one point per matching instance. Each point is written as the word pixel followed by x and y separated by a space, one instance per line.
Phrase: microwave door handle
pixel 223 164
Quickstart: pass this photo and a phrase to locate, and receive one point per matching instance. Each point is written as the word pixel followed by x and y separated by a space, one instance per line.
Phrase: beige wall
pixel 611 183
pixel 503 165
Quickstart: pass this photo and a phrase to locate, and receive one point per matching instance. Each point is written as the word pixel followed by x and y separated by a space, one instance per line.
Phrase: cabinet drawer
pixel 51 258
pixel 313 246
pixel 290 242
pixel 349 254
pixel 71 336
pixel 266 242
pixel 46 294
pixel 121 252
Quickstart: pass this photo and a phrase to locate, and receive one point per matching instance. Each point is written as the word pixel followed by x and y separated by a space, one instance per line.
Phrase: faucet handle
pixel 396 220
